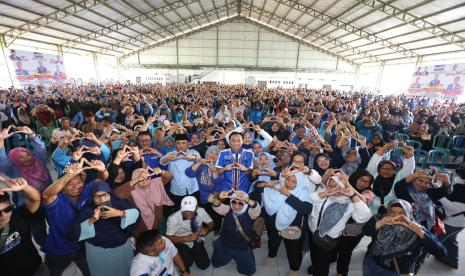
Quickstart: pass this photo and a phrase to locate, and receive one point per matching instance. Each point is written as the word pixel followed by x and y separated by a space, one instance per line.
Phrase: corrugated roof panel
pixel 339 7
pixel 424 43
pixel 438 49
pixel 358 11
pixel 401 30
pixel 410 37
pixel 434 7
pixel 66 28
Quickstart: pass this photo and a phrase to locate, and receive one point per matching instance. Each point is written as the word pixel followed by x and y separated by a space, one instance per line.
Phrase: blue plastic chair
pixel 421 158
pixel 402 137
pixel 396 156
pixel 458 145
pixel 438 158
pixel 442 142
pixel 20 140
pixel 414 144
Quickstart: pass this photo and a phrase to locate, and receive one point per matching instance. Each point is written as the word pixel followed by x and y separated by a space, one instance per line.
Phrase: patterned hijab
pixel 393 239
pixel 36 174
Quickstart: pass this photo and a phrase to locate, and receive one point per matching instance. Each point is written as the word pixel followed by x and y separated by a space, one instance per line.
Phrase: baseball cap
pixel 188 203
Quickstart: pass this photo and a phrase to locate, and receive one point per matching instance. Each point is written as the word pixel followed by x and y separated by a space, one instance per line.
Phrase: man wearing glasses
pixel 16 244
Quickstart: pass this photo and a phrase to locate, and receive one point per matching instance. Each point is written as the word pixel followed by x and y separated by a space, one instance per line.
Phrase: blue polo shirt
pixel 151 160
pixel 60 216
pixel 235 178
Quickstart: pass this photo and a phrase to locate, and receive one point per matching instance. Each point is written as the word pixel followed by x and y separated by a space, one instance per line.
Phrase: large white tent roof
pixel 357 31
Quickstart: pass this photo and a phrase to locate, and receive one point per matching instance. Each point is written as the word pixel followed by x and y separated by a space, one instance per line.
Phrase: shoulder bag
pixel 325 242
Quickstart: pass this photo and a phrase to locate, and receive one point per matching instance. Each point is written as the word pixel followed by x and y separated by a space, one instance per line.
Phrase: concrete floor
pixel 430 268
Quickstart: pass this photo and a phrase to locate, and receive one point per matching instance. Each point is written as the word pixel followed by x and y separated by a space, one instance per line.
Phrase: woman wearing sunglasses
pixel 15 228
pixel 236 232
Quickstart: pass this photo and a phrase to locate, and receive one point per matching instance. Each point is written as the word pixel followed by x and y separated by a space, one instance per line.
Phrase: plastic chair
pixel 438 158
pixel 458 145
pixel 20 140
pixel 396 156
pixel 414 144
pixel 442 142
pixel 402 137
pixel 421 158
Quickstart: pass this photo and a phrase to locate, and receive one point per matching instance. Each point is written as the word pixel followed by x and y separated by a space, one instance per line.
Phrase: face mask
pixel 116 144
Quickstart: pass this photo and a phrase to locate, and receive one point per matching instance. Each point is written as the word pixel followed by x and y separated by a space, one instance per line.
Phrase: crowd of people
pixel 128 179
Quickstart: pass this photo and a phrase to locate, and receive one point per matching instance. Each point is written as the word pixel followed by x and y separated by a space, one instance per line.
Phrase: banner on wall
pixel 444 81
pixel 34 68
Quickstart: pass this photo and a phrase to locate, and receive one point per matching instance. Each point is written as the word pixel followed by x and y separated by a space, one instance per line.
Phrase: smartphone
pixel 103 207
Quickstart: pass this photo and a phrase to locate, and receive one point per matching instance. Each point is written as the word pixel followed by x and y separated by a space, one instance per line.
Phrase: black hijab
pixel 356 175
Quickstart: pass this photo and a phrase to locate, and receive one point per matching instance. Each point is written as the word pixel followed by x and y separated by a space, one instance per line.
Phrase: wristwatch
pixel 354 195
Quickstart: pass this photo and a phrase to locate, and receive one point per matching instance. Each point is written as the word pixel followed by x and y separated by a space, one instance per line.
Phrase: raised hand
pixel 224 195
pixel 242 197
pixel 111 212
pixel 13 185
pixel 348 191
pixel 4 134
pixel 26 130
pixel 408 151
pixel 96 165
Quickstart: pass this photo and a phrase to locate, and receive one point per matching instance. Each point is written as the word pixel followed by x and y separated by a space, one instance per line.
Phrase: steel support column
pixel 380 76
pixel 95 60
pixel 3 48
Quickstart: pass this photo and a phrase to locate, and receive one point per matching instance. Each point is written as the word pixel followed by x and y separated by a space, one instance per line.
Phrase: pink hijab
pixel 36 174
pixel 146 198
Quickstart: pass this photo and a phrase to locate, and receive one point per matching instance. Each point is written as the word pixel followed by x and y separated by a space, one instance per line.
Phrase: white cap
pixel 188 203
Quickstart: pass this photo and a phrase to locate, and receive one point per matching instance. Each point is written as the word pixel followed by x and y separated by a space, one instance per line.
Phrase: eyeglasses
pixel 7 210
pixel 235 202
pixel 101 195
pixel 145 140
pixel 386 168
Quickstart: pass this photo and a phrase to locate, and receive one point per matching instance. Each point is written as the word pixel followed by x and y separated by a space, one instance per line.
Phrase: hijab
pixel 335 210
pixel 147 197
pixel 358 174
pixel 382 186
pixel 108 232
pixel 244 206
pixel 393 239
pixel 249 146
pixel 165 147
pixel 315 163
pixel 36 174
pixel 424 206
pixel 350 167
pixel 275 202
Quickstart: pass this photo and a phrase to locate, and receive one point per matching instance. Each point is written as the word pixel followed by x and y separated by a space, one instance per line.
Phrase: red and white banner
pixel 444 81
pixel 33 68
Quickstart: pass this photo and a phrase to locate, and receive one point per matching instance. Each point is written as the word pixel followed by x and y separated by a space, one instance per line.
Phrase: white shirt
pixel 179 227
pixel 161 265
pixel 358 211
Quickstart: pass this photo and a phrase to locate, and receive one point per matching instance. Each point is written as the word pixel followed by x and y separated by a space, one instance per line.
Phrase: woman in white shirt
pixel 333 205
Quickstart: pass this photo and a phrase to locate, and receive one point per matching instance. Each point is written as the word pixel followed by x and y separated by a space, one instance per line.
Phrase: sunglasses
pixel 235 202
pixel 101 195
pixel 7 210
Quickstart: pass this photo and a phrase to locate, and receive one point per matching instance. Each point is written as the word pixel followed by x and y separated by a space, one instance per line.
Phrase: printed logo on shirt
pixel 11 242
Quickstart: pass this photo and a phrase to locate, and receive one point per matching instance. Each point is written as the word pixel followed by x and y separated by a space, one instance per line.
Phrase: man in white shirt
pixel 156 256
pixel 64 130
pixel 186 229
